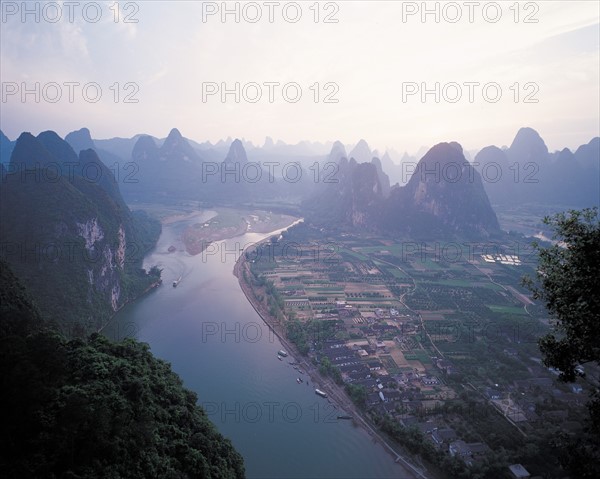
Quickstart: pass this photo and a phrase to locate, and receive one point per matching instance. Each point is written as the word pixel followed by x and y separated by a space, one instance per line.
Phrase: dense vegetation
pixel 568 284
pixel 70 238
pixel 88 408
pixel 491 467
pixel 485 331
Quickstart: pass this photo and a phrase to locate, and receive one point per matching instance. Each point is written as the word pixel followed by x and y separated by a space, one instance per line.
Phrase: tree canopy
pixel 568 282
pixel 88 408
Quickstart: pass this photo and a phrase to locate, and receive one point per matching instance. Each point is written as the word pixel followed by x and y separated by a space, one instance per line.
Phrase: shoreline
pixel 336 395
pixel 153 286
pixel 169 220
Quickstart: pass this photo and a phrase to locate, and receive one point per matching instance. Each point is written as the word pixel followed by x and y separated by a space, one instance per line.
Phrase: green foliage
pixel 90 408
pixel 147 229
pixel 155 271
pixel 568 283
pixel 358 394
pixel 410 438
pixel 296 334
pixel 48 253
pixel 328 369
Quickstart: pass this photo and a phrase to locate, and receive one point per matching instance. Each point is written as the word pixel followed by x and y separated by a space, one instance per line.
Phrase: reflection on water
pixel 224 352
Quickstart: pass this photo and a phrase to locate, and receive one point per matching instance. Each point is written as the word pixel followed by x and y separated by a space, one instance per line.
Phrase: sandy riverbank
pixel 229 223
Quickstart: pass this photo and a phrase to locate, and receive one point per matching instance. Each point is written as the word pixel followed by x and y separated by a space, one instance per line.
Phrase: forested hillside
pixel 89 408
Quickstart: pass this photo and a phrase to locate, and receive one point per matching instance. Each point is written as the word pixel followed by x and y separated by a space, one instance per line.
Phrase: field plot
pixel 464 314
pixel 506 309
pixel 399 359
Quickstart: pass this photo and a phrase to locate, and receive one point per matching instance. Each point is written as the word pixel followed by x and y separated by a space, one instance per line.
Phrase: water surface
pixel 224 352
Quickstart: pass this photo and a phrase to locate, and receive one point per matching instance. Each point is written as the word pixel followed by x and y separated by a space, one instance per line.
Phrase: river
pixel 224 352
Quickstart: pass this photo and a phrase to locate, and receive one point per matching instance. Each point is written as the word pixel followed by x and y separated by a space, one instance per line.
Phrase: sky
pixel 398 74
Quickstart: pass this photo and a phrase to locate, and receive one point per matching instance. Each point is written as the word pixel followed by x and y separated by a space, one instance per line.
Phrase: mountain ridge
pixel 80 240
pixel 432 199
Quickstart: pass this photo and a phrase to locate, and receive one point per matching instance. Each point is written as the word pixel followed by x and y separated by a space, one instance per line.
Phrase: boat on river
pixel 320 393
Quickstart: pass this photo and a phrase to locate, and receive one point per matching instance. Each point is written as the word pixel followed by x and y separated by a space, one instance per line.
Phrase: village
pixel 446 348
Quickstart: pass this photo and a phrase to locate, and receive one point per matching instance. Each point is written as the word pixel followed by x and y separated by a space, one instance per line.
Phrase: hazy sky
pixel 374 61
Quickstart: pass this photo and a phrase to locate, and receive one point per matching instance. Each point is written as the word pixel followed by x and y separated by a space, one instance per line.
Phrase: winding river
pixel 223 351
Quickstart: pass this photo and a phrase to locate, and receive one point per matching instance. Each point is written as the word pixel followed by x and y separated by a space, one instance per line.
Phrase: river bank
pixel 335 393
pixel 153 286
pixel 219 345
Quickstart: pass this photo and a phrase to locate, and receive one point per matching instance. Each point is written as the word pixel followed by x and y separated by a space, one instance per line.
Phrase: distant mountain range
pixel 356 189
pixel 527 172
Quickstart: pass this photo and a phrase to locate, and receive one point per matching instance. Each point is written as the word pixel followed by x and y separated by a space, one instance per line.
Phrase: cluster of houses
pixel 360 365
pixel 400 396
pixel 445 439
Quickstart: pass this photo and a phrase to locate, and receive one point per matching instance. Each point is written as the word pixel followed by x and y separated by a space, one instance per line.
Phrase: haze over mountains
pixel 74 192
pixel 82 237
pixel 351 180
pixel 445 196
pixel 527 172
pixel 524 172
pixel 67 232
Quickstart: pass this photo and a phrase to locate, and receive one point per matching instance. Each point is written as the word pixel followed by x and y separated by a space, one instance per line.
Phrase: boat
pixel 279 357
pixel 299 380
pixel 175 284
pixel 281 352
pixel 344 416
pixel 320 393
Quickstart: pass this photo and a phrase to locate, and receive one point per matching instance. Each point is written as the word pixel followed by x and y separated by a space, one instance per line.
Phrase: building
pixel 375 365
pixel 443 436
pixel 373 399
pixel 459 449
pixel 493 394
pixel 409 421
pixel 478 449
pixel 430 380
pixel 393 396
pixel 468 452
pixel 517 471
pixel 428 427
